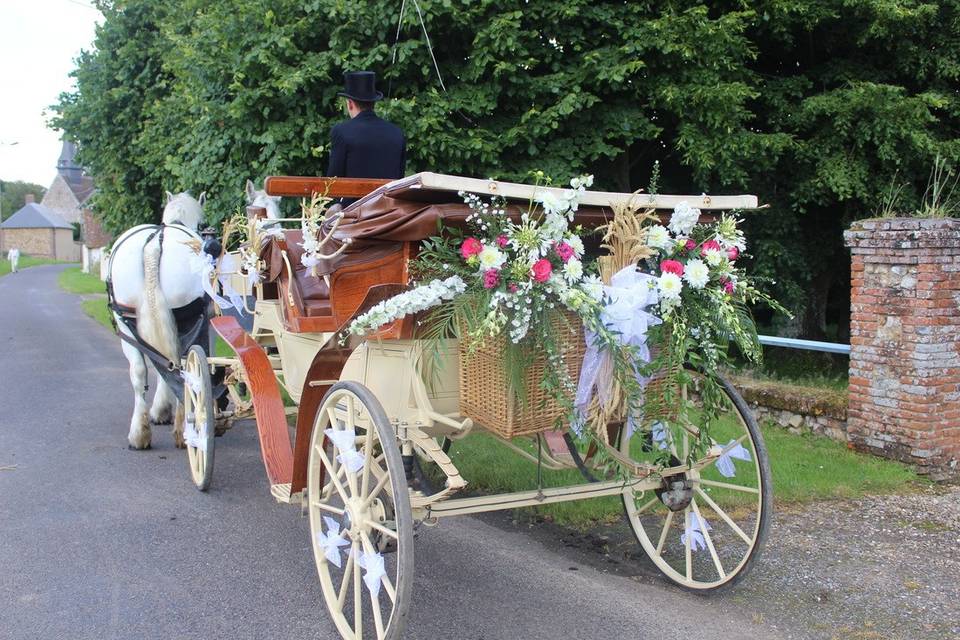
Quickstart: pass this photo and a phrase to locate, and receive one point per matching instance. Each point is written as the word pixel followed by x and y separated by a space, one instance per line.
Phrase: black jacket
pixel 367 146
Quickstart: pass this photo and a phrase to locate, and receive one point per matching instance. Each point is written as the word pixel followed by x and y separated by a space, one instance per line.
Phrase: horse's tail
pixel 155 322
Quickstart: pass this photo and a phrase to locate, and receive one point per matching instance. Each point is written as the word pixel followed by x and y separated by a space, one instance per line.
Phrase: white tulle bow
pixel 196 439
pixel 331 541
pixel 732 451
pixel 345 440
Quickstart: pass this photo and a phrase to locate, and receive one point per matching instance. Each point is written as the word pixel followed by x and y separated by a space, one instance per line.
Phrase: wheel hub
pixel 676 492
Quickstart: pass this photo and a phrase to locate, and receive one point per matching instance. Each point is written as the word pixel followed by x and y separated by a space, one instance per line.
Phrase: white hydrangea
pixel 696 273
pixel 684 218
pixel 573 270
pixel 669 285
pixel 658 237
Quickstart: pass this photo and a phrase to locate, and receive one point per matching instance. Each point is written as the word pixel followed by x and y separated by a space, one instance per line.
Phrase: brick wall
pixel 94 235
pixel 904 400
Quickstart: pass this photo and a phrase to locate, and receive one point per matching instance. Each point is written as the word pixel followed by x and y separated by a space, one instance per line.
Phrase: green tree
pixel 13 195
pixel 108 114
pixel 813 105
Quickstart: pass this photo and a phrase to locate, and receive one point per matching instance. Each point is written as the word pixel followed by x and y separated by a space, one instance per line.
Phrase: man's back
pixel 367 146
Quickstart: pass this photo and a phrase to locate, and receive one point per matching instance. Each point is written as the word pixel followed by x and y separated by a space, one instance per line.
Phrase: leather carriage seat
pixel 351 275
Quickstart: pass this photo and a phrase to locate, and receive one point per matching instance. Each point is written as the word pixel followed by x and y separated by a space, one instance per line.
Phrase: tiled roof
pixel 33 216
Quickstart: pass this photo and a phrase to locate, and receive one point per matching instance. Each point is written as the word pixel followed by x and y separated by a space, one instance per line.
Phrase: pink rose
pixel 733 253
pixel 512 287
pixel 502 241
pixel 690 245
pixel 541 270
pixel 671 266
pixel 709 245
pixel 728 287
pixel 470 248
pixel 563 250
pixel 491 278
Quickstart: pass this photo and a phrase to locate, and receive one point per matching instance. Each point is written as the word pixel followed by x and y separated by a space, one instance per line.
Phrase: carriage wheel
pixel 360 520
pixel 199 417
pixel 717 521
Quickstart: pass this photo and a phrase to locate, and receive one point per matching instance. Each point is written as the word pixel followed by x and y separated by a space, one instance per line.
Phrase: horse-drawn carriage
pixel 368 415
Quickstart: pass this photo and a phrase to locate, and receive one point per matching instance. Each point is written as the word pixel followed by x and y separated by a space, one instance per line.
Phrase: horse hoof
pixel 133 448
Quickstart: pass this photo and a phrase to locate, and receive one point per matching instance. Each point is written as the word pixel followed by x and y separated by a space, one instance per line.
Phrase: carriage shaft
pixel 501 501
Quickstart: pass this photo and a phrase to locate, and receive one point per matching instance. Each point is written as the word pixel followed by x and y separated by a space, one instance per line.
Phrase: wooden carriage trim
pixel 275 446
pixel 304 187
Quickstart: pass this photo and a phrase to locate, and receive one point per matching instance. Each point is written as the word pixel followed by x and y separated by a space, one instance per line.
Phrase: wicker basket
pixel 486 399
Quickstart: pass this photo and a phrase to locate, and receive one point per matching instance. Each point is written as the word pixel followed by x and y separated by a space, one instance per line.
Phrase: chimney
pixel 29 199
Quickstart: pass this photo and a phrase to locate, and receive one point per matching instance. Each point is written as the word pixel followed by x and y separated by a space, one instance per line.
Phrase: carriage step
pixel 281 492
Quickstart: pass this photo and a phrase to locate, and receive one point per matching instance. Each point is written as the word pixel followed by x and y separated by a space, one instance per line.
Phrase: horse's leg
pixel 161 411
pixel 139 436
pixel 178 439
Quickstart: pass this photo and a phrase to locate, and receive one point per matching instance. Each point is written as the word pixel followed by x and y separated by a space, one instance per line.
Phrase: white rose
pixel 696 273
pixel 491 258
pixel 669 285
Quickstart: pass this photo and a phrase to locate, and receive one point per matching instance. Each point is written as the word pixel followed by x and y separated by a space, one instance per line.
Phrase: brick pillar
pixel 905 341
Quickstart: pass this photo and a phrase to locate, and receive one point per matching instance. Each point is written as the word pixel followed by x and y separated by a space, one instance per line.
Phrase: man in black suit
pixel 365 146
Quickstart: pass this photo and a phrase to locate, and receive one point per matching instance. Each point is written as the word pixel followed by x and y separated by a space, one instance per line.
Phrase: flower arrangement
pixel 516 279
pixel 704 295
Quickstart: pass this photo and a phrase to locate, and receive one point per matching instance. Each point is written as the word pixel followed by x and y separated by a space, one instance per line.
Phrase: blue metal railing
pixel 809 345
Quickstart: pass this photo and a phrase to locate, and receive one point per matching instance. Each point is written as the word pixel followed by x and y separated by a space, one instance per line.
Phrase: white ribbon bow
pixel 345 440
pixel 630 294
pixel 331 541
pixel 373 563
pixel 194 438
pixel 735 452
pixel 204 265
pixel 697 540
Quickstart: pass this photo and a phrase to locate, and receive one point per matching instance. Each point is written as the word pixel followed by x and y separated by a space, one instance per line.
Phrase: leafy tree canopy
pixel 814 105
pixel 13 195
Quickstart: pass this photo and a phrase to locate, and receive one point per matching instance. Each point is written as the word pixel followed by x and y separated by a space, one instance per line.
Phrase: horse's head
pixel 184 209
pixel 261 199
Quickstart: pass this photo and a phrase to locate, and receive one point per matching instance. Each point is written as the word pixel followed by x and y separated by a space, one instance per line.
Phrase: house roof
pixel 82 190
pixel 33 216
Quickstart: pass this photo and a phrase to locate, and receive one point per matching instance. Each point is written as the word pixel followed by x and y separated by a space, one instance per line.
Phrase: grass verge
pixel 74 280
pixel 805 468
pixel 26 262
pixel 97 309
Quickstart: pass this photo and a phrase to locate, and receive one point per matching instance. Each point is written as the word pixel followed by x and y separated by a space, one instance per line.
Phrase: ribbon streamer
pixel 697 540
pixel 331 541
pixel 194 438
pixel 374 565
pixel 345 440
pixel 725 462
pixel 630 294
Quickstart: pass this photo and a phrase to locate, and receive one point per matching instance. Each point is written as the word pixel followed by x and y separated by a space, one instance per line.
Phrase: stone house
pixel 39 231
pixel 68 196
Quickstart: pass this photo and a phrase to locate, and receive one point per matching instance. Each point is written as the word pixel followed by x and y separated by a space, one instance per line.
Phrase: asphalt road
pixel 97 541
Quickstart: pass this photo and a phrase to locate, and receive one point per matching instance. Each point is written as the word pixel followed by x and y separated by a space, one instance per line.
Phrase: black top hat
pixel 360 86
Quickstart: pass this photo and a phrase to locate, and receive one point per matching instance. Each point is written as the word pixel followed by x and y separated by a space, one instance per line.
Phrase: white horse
pixel 261 199
pixel 154 281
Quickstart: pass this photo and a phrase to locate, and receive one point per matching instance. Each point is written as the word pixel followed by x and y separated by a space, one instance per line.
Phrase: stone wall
pixel 796 408
pixel 33 242
pixel 61 199
pixel 904 398
pixel 94 235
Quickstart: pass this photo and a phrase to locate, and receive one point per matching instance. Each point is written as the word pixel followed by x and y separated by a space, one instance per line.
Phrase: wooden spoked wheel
pixel 199 416
pixel 360 515
pixel 721 507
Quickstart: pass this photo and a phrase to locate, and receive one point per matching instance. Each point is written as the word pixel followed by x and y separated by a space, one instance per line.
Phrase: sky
pixel 39 40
